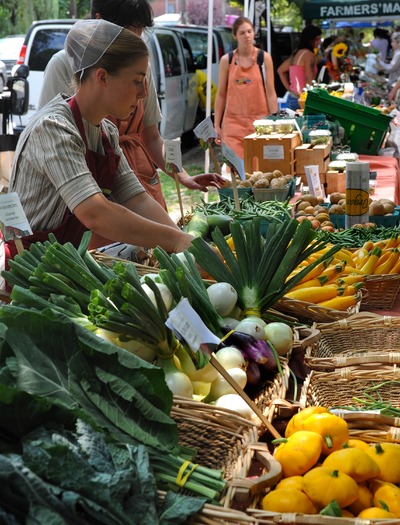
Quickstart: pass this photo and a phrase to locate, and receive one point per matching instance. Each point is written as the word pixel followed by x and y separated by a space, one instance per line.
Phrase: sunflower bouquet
pixel 338 62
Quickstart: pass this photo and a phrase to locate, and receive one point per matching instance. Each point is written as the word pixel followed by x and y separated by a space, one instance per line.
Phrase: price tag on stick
pixel 206 133
pixel 186 323
pixel 13 222
pixel 173 162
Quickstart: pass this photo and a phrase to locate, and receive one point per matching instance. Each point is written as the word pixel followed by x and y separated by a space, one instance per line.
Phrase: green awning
pixel 350 9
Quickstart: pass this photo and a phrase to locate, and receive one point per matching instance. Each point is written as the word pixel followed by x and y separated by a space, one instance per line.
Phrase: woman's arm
pixel 140 221
pixel 309 66
pixel 154 145
pixel 283 72
pixel 220 97
pixel 270 84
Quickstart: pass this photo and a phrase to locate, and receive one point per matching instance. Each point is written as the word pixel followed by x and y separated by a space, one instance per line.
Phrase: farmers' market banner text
pixel 347 9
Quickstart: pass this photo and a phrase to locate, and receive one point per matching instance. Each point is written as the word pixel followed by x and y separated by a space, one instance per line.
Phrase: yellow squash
pixel 333 429
pixel 293 482
pixel 323 485
pixel 375 513
pixel 387 456
pixel 355 462
pixel 296 422
pixel 288 500
pixel 299 452
pixel 387 496
pixel 364 501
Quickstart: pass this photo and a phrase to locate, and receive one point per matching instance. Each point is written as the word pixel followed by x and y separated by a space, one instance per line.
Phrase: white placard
pixel 274 152
pixel 13 221
pixel 233 160
pixel 313 181
pixel 173 155
pixel 205 130
pixel 184 321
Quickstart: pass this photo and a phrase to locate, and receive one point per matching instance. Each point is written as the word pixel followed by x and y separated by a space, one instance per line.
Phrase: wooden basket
pixel 382 292
pixel 313 313
pixel 225 441
pixel 372 428
pixel 149 263
pixel 268 395
pixel 363 339
pixel 345 387
pixel 267 518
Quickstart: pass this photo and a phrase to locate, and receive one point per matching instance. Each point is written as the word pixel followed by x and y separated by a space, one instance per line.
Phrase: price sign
pixel 186 323
pixel 233 160
pixel 205 130
pixel 313 181
pixel 13 222
pixel 173 155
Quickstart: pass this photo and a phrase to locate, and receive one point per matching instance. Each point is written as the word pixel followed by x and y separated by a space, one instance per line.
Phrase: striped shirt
pixel 49 171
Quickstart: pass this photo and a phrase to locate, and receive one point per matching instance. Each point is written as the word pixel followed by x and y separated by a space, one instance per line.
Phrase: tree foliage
pixel 197 12
pixel 17 15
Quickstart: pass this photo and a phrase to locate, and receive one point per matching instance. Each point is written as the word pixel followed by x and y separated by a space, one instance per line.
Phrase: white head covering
pixel 88 40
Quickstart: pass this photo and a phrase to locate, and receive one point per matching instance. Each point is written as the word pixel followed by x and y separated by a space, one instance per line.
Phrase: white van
pixel 171 61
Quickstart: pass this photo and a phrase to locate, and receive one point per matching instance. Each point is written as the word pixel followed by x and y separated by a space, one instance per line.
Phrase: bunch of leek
pixel 260 267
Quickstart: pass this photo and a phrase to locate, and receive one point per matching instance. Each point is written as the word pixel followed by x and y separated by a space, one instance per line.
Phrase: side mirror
pixel 20 71
pixel 200 61
pixel 19 88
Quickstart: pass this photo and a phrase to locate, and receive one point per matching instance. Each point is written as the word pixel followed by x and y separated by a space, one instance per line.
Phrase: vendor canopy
pixel 350 9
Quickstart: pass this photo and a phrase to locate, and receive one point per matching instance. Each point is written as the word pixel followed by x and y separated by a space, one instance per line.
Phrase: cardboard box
pixel 318 155
pixel 335 181
pixel 271 152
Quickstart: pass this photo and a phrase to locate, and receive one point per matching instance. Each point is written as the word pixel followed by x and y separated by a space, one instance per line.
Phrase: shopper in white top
pixel 393 67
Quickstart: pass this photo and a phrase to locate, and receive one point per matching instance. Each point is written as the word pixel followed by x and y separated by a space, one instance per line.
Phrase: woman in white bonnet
pixel 69 171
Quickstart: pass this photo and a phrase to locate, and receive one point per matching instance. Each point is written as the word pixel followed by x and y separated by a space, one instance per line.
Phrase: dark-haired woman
pixel 300 68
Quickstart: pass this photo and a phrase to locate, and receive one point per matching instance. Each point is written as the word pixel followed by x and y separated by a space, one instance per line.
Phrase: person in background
pixel 300 68
pixel 393 67
pixel 140 139
pixel 325 47
pixel 246 90
pixel 380 42
pixel 69 170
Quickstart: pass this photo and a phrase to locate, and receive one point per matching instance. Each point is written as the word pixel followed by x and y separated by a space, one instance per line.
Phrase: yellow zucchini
pixel 314 294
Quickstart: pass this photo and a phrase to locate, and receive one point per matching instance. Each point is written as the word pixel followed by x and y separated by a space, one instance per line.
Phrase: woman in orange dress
pixel 246 90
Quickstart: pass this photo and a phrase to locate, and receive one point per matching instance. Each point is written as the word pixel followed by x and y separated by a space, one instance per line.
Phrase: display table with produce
pixel 134 386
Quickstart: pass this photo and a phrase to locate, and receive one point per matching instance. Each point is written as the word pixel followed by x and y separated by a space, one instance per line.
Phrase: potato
pixel 312 199
pixel 336 209
pixel 376 208
pixel 302 205
pixel 335 197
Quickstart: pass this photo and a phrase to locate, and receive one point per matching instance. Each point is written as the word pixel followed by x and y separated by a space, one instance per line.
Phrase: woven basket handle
pixel 248 488
pixel 311 335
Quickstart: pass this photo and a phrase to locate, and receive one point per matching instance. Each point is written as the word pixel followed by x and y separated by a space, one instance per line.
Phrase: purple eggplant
pixel 256 350
pixel 253 373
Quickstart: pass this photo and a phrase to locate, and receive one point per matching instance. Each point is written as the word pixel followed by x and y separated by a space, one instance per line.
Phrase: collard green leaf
pixel 176 510
pixel 61 361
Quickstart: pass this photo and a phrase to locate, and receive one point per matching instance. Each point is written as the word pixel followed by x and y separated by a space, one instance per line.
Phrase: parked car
pixel 10 47
pixel 171 62
pixel 223 42
pixel 3 76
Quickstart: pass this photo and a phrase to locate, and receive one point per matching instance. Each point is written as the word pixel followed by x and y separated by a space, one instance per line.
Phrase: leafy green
pixel 77 477
pixel 71 372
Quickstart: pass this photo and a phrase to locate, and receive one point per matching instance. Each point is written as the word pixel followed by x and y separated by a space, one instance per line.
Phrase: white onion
pixel 179 384
pixel 134 346
pixel 165 294
pixel 230 357
pixel 230 323
pixel 223 297
pixel 236 403
pixel 220 386
pixel 281 337
pixel 252 325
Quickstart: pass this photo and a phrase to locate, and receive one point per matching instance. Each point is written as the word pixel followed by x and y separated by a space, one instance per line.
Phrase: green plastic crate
pixel 365 127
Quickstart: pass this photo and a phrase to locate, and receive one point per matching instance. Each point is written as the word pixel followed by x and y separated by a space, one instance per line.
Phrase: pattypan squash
pixel 354 462
pixel 299 452
pixel 323 485
pixel 387 456
pixel 296 422
pixel 333 429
